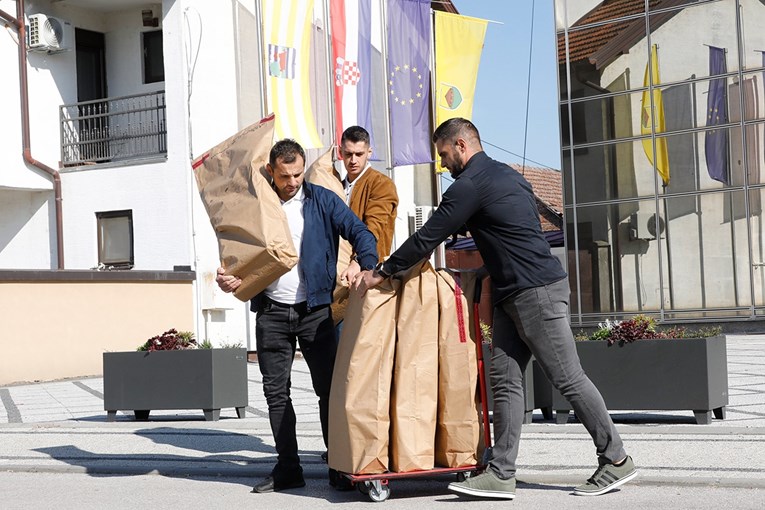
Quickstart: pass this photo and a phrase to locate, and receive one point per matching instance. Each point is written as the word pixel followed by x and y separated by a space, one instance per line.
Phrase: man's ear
pixel 270 170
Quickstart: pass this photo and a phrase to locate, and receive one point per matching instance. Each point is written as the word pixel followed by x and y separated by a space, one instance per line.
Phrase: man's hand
pixel 227 283
pixel 366 280
pixel 347 276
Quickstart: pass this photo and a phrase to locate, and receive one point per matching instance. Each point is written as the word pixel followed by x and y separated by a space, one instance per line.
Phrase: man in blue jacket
pixel 295 308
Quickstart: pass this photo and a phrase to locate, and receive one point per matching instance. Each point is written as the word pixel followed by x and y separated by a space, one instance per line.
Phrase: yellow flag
pixel 287 37
pixel 459 41
pixel 657 120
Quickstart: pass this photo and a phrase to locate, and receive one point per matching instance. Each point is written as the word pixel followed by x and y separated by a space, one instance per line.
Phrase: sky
pixel 500 110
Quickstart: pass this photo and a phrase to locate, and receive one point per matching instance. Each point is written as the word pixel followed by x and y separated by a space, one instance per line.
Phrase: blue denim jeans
pixel 535 321
pixel 278 329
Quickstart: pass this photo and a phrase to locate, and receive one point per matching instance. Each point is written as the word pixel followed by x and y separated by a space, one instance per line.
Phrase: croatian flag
pixel 352 61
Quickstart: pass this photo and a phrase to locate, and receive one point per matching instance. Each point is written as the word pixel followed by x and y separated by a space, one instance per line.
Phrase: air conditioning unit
pixel 643 226
pixel 421 214
pixel 48 34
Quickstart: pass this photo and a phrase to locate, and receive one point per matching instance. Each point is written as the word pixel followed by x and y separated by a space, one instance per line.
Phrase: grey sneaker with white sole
pixel 607 478
pixel 486 485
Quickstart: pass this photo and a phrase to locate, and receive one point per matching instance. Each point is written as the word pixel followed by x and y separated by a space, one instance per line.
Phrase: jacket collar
pixel 476 161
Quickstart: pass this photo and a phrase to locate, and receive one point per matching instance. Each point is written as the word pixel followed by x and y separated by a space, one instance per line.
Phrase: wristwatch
pixel 381 271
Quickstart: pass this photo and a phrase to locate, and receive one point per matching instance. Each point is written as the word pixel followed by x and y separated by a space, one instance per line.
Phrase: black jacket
pixel 499 209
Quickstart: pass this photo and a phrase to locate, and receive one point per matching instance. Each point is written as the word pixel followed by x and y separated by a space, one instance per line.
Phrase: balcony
pixel 113 130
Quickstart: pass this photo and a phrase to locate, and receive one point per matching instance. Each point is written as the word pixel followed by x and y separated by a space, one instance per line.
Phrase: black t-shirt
pixel 499 209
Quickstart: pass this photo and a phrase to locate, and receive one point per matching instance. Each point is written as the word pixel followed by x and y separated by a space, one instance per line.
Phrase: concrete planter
pixel 666 374
pixel 207 379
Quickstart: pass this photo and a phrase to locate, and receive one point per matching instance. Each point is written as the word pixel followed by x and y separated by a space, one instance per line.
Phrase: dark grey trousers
pixel 534 321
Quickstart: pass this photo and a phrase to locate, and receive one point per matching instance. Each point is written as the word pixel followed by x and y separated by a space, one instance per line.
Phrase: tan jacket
pixel 374 200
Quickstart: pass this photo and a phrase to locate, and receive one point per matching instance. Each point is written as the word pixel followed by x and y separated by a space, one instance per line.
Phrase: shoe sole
pixel 481 493
pixel 604 490
pixel 279 489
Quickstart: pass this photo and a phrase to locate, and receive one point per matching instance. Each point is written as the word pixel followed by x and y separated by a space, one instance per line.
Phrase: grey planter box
pixel 207 379
pixel 667 374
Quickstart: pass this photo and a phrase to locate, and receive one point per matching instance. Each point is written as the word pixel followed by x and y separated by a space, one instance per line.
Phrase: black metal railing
pixel 113 129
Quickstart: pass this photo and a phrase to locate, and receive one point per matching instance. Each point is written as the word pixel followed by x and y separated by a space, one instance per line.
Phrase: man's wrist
pixel 380 270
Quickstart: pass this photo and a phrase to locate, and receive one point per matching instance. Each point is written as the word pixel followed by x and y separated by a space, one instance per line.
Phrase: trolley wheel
pixel 464 475
pixel 363 487
pixel 378 490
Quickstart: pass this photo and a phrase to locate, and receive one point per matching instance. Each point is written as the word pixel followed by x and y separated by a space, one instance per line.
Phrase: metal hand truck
pixel 377 486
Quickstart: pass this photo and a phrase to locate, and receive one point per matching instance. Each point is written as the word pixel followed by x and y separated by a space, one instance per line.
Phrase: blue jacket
pixel 325 217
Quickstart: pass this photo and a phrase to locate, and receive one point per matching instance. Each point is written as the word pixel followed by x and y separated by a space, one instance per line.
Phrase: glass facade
pixel 662 112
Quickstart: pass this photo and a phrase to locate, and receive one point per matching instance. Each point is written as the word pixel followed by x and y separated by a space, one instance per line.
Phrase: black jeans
pixel 279 327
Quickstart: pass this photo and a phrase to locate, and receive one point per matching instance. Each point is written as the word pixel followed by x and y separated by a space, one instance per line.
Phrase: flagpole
pixel 261 52
pixel 697 178
pixel 440 252
pixel 669 246
pixel 388 138
pixel 330 73
pixel 657 205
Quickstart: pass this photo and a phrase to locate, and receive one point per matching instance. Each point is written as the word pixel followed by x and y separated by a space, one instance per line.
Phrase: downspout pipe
pixel 25 136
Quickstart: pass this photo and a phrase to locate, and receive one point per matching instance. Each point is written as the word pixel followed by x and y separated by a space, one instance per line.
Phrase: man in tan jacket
pixel 372 197
pixel 370 194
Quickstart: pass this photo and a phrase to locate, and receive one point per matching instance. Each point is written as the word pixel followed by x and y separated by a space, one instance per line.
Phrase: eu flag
pixel 409 80
pixel 716 140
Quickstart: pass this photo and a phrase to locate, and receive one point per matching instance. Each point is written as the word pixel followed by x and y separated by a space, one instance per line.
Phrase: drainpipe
pixel 18 22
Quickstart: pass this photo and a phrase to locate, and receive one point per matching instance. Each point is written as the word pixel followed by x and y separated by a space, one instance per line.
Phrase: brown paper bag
pixel 359 402
pixel 458 432
pixel 414 396
pixel 323 173
pixel 254 239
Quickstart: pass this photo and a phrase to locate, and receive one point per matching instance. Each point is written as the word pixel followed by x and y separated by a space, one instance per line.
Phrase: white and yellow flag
pixel 287 44
pixel 655 118
pixel 459 42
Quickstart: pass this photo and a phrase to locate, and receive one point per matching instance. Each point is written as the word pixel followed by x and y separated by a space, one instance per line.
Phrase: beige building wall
pixel 54 330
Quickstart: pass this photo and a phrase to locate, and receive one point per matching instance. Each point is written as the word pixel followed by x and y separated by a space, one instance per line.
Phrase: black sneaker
pixel 607 478
pixel 324 457
pixel 272 485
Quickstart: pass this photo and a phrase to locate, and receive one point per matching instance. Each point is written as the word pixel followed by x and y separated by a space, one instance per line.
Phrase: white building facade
pixel 121 96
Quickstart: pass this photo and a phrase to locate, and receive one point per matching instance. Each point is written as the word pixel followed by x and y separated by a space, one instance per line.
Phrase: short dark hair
pixel 287 150
pixel 454 128
pixel 355 134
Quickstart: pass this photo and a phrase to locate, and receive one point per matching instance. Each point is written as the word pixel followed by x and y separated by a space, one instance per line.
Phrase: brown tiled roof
pixel 547 186
pixel 443 5
pixel 546 183
pixel 589 43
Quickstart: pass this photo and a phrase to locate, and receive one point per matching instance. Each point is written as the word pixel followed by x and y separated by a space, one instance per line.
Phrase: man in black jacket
pixel 530 293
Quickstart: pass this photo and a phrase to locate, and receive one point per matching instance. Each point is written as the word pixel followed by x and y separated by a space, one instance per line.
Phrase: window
pixel 115 239
pixel 153 58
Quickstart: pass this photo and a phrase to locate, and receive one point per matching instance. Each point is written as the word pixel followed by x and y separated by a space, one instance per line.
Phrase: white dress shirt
pixel 290 288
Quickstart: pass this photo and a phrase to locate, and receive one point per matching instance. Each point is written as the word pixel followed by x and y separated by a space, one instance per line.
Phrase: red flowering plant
pixel 170 340
pixel 642 327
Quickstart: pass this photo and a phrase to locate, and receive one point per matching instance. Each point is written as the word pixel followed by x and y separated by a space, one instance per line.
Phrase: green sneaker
pixel 607 478
pixel 486 485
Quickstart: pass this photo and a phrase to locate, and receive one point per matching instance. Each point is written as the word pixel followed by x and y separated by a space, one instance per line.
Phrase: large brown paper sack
pixel 322 173
pixel 254 239
pixel 414 397
pixel 458 430
pixel 359 402
pixel 470 284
